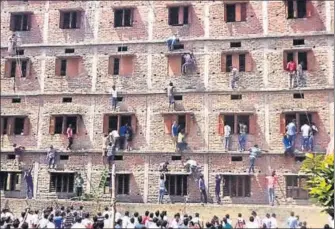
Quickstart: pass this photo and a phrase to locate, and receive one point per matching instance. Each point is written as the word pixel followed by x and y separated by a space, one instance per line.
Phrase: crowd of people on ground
pixel 68 218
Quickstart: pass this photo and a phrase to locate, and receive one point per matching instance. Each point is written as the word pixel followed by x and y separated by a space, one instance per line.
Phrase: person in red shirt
pixel 271 182
pixel 292 68
pixel 69 133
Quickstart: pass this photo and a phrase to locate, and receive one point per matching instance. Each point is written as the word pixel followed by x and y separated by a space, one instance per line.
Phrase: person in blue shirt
pixel 122 133
pixel 202 189
pixel 58 220
pixel 174 132
pixel 287 145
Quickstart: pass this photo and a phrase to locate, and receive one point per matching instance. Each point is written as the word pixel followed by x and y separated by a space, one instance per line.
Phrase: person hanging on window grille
pixel 170 94
pixel 189 63
pixel 78 184
pixel 254 153
pixel 218 179
pixel 29 182
pixel 110 154
pixel 202 189
pixel 291 68
pixel 300 75
pixel 242 138
pixel 115 137
pixel 190 165
pixel 18 151
pixel 12 44
pixel 227 136
pixel 181 144
pixel 313 131
pixel 287 145
pixel 235 77
pixel 291 131
pixel 51 157
pixel 113 91
pixel 305 131
pixel 129 137
pixel 171 42
pixel 163 167
pixel 69 133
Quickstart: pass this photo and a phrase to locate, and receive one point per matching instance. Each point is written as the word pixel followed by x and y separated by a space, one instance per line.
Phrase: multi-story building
pixel 72 52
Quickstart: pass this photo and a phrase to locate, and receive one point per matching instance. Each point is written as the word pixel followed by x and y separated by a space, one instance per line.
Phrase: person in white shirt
pixel 113 91
pixel 125 220
pixel 10 215
pixel 50 224
pixel 78 224
pixel 273 219
pixel 314 130
pixel 305 130
pixel 267 221
pixel 190 165
pixel 131 224
pixel 43 222
pixel 87 222
pixel 106 212
pixel 235 77
pixel 117 216
pixel 107 221
pixel 257 219
pixel 227 136
pixel 115 137
pixel 252 223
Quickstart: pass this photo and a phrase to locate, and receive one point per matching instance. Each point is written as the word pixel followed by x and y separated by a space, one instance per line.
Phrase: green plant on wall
pixel 320 184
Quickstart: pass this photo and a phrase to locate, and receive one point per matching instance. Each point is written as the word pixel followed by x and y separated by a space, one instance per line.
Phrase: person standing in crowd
pixel 291 132
pixel 242 139
pixel 254 152
pixel 78 224
pixel 305 130
pixel 113 91
pixel 274 223
pixel 162 188
pixel 18 151
pixel 78 183
pixel 202 189
pixel 291 68
pixel 267 221
pixel 240 221
pixel 122 133
pixel 174 132
pixel 218 179
pixel 271 182
pixel 292 221
pixel 69 133
pixel 170 94
pixel 129 137
pixel 252 223
pixel 313 131
pixel 29 182
pixel 51 157
pixel 257 219
pixel 227 136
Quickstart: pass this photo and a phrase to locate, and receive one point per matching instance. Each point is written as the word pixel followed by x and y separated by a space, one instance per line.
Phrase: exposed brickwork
pixel 265 35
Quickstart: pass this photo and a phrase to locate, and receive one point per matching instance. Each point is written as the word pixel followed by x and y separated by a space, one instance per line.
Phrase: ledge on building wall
pixel 129 54
pixel 176 112
pixel 71 55
pixel 72 9
pixel 237 51
pixel 298 49
pixel 16 57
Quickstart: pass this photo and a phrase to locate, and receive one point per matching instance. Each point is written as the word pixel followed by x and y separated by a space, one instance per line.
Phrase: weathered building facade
pixel 72 52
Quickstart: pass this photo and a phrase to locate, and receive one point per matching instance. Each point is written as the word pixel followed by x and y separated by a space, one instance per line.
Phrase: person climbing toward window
pixel 234 77
pixel 129 137
pixel 218 179
pixel 29 182
pixel 202 189
pixel 69 133
pixel 170 94
pixel 181 144
pixel 113 91
pixel 291 131
pixel 287 145
pixel 171 42
pixel 110 154
pixel 12 44
pixel 18 151
pixel 51 157
pixel 242 138
pixel 115 137
pixel 174 132
pixel 189 63
pixel 313 131
pixel 254 153
pixel 305 132
pixel 300 75
pixel 163 167
pixel 291 68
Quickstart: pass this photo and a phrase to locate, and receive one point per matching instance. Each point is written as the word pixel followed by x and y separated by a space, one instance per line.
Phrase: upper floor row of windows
pixel 177 15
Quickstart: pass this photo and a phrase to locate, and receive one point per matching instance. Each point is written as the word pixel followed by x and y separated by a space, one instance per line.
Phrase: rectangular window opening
pixel 241 61
pixel 16 100
pixel 302 58
pixel 298 41
pixel 235 44
pixel 20 22
pixel 123 18
pixel 10 181
pixel 69 50
pixel 235 97
pixel 4 127
pixel 11 156
pixel 112 123
pixel 174 16
pixel 298 96
pixel 230 10
pixel 176 158
pixel 61 182
pixel 19 52
pixel 119 99
pixel 229 120
pixel 116 66
pixel 245 120
pixel 123 184
pixel 229 62
pixel 73 121
pixel 63 66
pixel 118 158
pixel 178 97
pixel 300 158
pixel 122 48
pixel 295 187
pixel 67 100
pixel 181 122
pixel 58 125
pixel 125 119
pixel 64 157
pixel 176 185
pixel 18 126
pixel 236 185
pixel 236 158
pixel 13 69
pixel 70 20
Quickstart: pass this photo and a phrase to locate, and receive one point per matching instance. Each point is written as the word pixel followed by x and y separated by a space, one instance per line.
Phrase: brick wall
pixel 265 35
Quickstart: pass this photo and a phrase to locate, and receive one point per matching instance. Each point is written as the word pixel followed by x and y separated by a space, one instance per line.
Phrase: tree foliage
pixel 320 184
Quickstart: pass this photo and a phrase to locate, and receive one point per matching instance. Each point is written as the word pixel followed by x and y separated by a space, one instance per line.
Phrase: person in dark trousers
pixel 170 94
pixel 313 132
pixel 202 189
pixel 29 181
pixel 51 157
pixel 163 167
pixel 113 91
pixel 122 133
pixel 110 154
pixel 254 153
pixel 161 188
pixel 18 151
pixel 129 137
pixel 69 133
pixel 288 147
pixel 218 188
pixel 78 183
